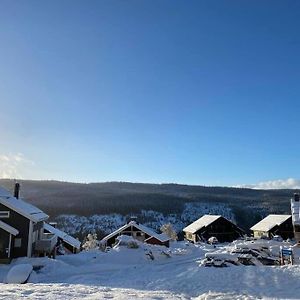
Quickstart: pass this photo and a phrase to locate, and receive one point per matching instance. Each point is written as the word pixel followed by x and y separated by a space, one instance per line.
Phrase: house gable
pixel 285 230
pixel 221 228
pixel 269 222
pixel 137 231
pixel 23 208
pixel 20 223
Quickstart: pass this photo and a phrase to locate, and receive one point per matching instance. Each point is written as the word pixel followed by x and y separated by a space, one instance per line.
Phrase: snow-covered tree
pixel 91 242
pixel 169 231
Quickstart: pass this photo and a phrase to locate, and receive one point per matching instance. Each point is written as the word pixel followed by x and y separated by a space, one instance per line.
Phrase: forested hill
pixel 57 198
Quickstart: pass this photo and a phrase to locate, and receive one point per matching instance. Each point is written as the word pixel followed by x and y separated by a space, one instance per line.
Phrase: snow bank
pixel 19 273
pixel 124 273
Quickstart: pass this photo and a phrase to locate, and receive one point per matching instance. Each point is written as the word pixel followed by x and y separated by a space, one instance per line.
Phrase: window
pixel 18 243
pixel 4 214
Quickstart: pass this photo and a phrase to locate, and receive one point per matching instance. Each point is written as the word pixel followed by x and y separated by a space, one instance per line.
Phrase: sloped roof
pixel 9 228
pixel 64 236
pixel 160 236
pixel 270 222
pixel 23 208
pixel 200 223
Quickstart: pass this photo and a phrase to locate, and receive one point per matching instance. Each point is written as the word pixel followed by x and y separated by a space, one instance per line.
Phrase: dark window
pixel 4 214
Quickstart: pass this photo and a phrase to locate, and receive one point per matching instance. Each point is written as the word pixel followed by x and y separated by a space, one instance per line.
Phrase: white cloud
pixel 11 165
pixel 290 183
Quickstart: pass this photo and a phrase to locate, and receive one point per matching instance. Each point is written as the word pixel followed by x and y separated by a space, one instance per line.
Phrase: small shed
pixel 212 226
pixel 138 232
pixel 274 225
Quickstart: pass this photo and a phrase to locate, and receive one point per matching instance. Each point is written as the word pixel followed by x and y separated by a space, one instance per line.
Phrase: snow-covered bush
pixel 130 242
pixel 132 245
pixel 91 242
pixel 169 231
pixel 212 240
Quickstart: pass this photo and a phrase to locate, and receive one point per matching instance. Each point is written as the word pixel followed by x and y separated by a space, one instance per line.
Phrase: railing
pixel 46 243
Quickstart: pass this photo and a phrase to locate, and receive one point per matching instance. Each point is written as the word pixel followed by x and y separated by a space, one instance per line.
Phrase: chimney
pixel 17 190
pixel 296 197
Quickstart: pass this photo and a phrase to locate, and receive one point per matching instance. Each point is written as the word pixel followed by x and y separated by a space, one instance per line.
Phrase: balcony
pixel 46 244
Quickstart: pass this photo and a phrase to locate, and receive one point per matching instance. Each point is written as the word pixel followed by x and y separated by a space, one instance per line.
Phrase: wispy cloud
pixel 290 183
pixel 11 165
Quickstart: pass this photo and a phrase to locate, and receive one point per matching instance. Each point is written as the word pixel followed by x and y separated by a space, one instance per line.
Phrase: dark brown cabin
pixel 212 226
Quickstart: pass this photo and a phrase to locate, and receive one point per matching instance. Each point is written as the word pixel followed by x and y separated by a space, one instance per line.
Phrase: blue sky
pixel 196 92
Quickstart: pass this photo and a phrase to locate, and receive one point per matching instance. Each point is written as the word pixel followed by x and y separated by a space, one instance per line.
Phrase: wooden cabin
pixel 274 225
pixel 138 232
pixel 22 228
pixel 28 221
pixel 212 226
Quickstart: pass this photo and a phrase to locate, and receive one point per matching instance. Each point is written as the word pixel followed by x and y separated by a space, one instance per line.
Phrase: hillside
pixel 246 205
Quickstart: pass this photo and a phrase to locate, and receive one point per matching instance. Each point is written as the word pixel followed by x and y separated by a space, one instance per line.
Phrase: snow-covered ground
pixel 126 273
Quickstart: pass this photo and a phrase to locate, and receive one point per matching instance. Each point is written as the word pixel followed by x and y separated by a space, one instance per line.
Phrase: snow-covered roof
pixel 23 208
pixel 8 228
pixel 64 236
pixel 200 223
pixel 270 222
pixel 160 236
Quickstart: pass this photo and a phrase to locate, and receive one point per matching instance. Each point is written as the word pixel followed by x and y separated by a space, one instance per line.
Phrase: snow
pixel 8 228
pixel 64 236
pixel 124 273
pixel 295 208
pixel 125 239
pixel 161 237
pixel 19 273
pixel 29 211
pixel 200 223
pixel 105 224
pixel 269 222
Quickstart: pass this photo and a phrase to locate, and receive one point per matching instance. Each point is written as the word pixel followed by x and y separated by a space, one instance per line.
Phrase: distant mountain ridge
pixel 124 198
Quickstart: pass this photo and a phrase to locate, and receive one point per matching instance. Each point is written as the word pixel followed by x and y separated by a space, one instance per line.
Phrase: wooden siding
pixel 21 223
pixel 4 243
pixel 285 230
pixel 155 241
pixel 222 229
pixel 131 231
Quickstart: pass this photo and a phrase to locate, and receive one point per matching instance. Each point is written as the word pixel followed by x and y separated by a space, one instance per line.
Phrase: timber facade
pixel 212 226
